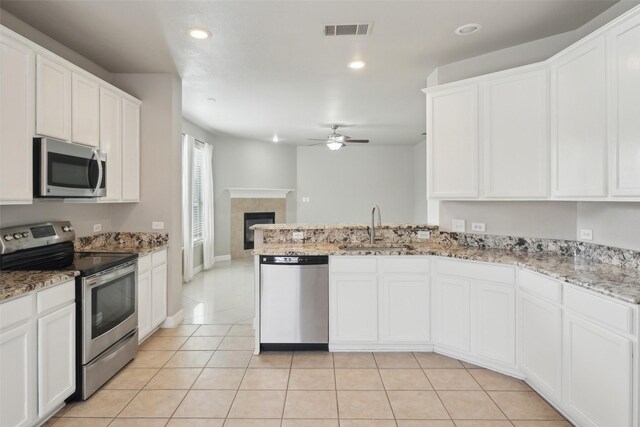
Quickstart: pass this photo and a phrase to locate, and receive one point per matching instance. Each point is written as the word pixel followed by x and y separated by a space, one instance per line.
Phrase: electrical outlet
pixel 477 226
pixel 157 225
pixel 298 235
pixel 97 228
pixel 306 199
pixel 424 234
pixel 586 234
pixel 458 225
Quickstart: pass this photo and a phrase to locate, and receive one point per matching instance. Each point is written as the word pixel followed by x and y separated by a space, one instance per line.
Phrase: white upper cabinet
pixel 452 142
pixel 111 141
pixel 130 150
pixel 17 85
pixel 53 99
pixel 515 138
pixel 85 116
pixel 579 122
pixel 623 50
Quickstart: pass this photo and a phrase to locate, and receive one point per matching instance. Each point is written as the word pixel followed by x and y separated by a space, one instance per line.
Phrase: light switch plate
pixel 424 234
pixel 97 228
pixel 298 235
pixel 458 225
pixel 306 199
pixel 157 225
pixel 586 234
pixel 477 226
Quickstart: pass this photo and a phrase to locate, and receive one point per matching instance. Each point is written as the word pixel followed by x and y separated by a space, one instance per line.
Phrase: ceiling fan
pixel 336 141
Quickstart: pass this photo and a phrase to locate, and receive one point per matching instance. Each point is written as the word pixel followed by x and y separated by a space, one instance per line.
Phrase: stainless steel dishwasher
pixel 294 302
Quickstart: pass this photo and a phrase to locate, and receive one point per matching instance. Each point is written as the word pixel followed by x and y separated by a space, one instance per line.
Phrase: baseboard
pixel 221 258
pixel 197 269
pixel 173 321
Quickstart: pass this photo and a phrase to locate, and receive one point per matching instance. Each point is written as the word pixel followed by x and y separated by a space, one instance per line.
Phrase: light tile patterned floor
pixel 206 375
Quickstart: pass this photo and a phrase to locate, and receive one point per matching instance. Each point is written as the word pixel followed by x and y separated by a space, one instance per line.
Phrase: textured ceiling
pixel 271 70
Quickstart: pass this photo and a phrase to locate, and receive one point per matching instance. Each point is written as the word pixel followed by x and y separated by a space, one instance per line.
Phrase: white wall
pixel 420 183
pixel 613 224
pixel 344 184
pixel 244 164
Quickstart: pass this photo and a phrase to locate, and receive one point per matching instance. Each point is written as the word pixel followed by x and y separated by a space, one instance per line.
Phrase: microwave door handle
pixel 100 173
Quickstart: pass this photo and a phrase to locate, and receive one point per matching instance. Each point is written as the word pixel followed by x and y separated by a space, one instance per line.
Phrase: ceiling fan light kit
pixel 336 141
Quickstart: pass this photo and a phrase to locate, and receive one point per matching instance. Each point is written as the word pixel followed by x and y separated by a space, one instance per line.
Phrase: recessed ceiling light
pixel 199 33
pixel 211 99
pixel 356 65
pixel 467 29
pixel 275 138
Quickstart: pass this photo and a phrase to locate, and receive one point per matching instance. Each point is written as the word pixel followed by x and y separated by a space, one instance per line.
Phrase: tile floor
pixel 204 373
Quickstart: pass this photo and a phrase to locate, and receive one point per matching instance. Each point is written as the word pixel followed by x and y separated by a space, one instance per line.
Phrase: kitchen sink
pixel 375 248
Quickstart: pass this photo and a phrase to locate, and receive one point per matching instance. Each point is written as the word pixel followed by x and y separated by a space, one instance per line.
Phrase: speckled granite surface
pixel 612 280
pixel 136 243
pixel 16 283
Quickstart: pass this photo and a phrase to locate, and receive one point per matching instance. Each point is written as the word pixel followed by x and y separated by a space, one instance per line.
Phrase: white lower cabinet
pixel 376 300
pixel 597 373
pixel 152 292
pixel 37 354
pixel 452 313
pixel 56 358
pixel 540 337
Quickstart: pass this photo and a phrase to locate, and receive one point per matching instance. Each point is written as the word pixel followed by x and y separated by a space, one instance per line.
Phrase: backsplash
pixel 408 233
pixel 123 239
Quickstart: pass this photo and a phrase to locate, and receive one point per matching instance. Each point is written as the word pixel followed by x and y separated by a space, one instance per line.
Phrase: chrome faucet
pixel 372 233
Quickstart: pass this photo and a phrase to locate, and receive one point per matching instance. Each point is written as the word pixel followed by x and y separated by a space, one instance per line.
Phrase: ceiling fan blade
pixel 362 141
pixel 317 139
pixel 316 144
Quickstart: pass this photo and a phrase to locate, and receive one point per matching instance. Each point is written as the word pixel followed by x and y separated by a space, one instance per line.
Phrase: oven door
pixel 109 306
pixel 69 170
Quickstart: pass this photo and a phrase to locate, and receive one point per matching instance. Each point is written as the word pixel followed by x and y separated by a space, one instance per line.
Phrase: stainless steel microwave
pixel 63 169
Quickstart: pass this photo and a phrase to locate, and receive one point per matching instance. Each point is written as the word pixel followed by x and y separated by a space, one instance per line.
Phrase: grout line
pixel 384 388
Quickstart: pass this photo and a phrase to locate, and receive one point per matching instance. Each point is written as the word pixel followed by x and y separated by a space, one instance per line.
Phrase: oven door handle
pixel 92 282
pixel 100 172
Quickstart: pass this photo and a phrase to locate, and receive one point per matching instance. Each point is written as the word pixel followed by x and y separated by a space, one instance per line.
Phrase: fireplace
pixel 253 218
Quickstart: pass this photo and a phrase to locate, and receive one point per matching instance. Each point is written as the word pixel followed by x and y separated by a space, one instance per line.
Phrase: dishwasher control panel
pixel 294 260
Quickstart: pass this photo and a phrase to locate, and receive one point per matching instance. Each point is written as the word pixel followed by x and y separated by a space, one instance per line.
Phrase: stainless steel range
pixel 106 296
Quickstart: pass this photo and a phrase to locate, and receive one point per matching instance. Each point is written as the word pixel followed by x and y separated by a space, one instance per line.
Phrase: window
pixel 198 170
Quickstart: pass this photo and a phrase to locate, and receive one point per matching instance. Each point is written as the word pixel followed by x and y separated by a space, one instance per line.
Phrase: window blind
pixel 198 170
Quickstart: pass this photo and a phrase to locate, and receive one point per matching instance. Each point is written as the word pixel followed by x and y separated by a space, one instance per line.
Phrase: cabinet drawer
pixel 159 258
pixel 540 285
pixel 16 311
pixel 144 264
pixel 605 311
pixel 477 271
pixel 352 264
pixel 404 264
pixel 56 296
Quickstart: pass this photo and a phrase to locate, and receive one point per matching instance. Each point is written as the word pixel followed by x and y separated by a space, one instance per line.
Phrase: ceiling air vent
pixel 347 29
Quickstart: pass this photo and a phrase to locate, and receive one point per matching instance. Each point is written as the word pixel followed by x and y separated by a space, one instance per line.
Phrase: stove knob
pixel 17 235
pixel 8 237
pixel 71 228
pixel 65 228
pixel 25 234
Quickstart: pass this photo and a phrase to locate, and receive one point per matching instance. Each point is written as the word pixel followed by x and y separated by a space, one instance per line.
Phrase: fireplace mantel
pixel 259 193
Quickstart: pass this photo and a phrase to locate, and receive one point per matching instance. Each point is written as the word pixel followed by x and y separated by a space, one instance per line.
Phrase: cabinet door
pixel 85 116
pixel 53 99
pixel 493 312
pixel 623 50
pixel 578 122
pixel 452 142
pixel 111 141
pixel 540 336
pixel 144 305
pixel 354 308
pixel 158 295
pixel 56 358
pixel 130 151
pixel 17 82
pixel 516 141
pixel 17 376
pixel 404 308
pixel 597 374
pixel 452 301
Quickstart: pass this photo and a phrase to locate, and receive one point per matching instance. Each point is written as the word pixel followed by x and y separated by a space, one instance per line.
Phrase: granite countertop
pixel 617 282
pixel 140 249
pixel 16 283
